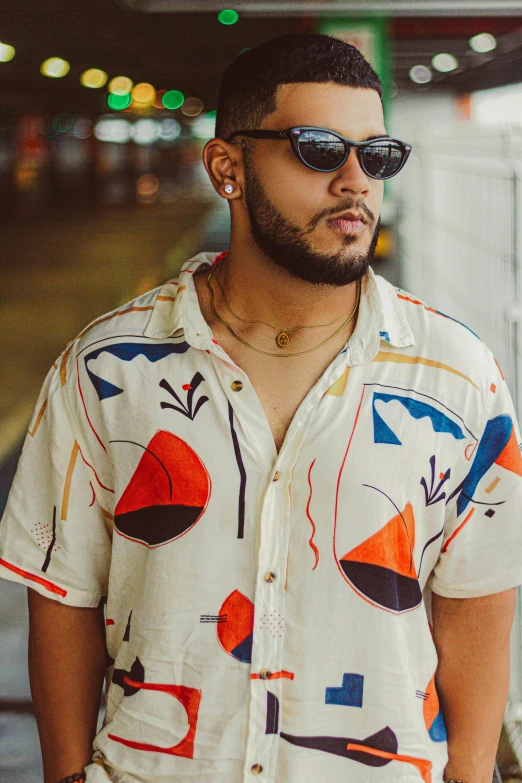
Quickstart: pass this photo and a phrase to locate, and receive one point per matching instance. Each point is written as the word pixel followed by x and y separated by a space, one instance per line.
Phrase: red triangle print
pixel 166 495
pixel 236 629
pixel 382 569
pixel 510 457
pixel 391 547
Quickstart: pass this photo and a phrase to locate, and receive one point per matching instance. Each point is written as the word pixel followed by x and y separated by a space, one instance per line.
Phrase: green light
pixel 228 16
pixel 62 123
pixel 173 99
pixel 119 102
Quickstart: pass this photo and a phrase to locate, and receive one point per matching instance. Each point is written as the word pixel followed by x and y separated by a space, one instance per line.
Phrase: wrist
pixel 78 777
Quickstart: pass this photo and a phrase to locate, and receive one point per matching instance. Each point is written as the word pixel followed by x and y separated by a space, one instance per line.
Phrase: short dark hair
pixel 249 83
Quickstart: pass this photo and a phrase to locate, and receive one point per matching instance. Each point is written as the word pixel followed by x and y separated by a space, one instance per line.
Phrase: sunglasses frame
pixel 294 133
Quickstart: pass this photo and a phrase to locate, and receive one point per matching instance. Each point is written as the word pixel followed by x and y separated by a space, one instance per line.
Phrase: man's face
pixel 289 204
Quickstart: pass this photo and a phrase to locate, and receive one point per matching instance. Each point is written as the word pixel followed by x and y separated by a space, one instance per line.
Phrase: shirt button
pixel 264 674
pixel 256 769
pixel 236 385
pixel 277 476
pixel 270 577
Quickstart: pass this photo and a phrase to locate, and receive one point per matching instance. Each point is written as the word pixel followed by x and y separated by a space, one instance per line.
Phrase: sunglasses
pixel 322 149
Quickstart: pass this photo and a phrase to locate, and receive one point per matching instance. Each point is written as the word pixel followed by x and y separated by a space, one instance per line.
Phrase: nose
pixel 350 177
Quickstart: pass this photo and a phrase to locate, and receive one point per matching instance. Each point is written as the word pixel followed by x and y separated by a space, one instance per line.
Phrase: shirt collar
pixel 381 315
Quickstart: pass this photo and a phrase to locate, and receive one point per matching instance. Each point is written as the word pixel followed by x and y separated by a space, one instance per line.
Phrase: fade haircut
pixel 249 83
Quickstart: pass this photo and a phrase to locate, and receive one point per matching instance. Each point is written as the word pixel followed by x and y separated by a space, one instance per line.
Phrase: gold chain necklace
pixel 281 355
pixel 283 337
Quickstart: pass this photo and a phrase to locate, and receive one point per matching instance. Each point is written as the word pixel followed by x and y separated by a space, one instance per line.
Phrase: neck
pixel 259 289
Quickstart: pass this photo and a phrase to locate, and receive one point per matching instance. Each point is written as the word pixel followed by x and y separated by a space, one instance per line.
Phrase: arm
pixel 472 636
pixel 66 670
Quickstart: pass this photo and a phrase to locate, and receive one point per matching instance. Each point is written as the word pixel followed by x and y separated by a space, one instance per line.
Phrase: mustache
pixel 345 207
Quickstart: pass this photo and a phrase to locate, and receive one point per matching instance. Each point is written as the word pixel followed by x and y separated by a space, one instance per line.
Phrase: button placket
pixel 267 651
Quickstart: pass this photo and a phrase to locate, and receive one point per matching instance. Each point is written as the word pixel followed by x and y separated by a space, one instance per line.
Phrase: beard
pixel 287 245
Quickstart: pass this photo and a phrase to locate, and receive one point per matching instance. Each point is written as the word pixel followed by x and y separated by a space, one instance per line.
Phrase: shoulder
pixel 129 321
pixel 442 334
pixel 440 340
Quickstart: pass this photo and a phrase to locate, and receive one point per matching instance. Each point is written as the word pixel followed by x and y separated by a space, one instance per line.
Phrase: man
pixel 265 468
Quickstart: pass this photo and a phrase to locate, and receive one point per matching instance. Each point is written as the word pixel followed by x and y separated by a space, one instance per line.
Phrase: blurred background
pixel 105 106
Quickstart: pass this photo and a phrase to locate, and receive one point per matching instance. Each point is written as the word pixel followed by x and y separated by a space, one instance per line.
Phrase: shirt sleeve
pixel 482 548
pixel 54 535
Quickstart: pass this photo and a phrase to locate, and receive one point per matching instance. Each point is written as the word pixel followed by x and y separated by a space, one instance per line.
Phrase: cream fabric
pixel 268 615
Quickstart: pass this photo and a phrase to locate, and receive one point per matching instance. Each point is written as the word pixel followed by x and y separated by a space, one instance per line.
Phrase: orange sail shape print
pixel 382 569
pixel 167 494
pixel 510 457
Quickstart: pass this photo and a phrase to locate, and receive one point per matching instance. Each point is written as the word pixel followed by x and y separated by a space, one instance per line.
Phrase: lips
pixel 346 226
pixel 350 215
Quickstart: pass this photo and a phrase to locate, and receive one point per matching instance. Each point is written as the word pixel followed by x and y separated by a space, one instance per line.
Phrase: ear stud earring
pixel 229 188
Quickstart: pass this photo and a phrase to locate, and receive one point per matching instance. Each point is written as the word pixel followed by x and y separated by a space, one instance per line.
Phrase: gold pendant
pixel 283 339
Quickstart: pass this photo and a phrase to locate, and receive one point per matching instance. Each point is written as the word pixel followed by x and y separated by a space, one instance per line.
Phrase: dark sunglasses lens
pixel 321 150
pixel 382 159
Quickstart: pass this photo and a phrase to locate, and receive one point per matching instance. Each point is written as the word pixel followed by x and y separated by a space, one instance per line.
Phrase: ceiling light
pixel 7 52
pixel 93 78
pixel 228 16
pixel 420 74
pixel 144 93
pixel 55 67
pixel 173 99
pixel 445 62
pixel 484 42
pixel 192 107
pixel 120 85
pixel 119 102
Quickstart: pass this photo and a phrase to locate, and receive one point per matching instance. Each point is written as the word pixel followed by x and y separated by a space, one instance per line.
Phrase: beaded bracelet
pixel 78 777
pixel 452 780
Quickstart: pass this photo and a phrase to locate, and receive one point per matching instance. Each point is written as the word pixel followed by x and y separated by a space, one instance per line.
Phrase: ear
pixel 224 165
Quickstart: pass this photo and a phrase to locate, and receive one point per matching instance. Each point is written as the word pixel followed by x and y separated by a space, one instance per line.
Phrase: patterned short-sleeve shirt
pixel 268 614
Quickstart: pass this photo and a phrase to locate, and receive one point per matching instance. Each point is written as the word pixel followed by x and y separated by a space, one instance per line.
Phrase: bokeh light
pixel 192 107
pixel 7 52
pixel 158 100
pixel 146 131
pixel 62 122
pixel 204 126
pixel 228 16
pixel 55 67
pixel 119 102
pixel 112 129
pixel 147 187
pixel 444 62
pixel 147 184
pixel 173 99
pixel 170 129
pixel 483 42
pixel 420 74
pixel 83 128
pixel 144 93
pixel 93 78
pixel 120 85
